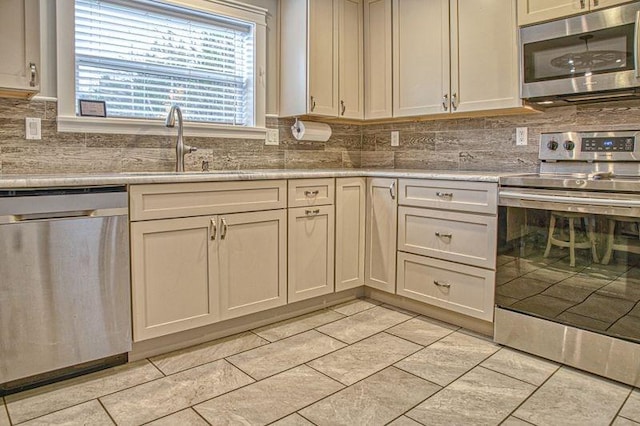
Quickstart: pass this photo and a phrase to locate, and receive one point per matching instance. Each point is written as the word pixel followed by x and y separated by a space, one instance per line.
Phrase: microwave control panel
pixel 590 146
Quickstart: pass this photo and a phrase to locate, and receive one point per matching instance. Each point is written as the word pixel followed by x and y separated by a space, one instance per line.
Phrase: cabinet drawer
pixel 161 201
pixel 311 192
pixel 458 237
pixel 476 197
pixel 459 288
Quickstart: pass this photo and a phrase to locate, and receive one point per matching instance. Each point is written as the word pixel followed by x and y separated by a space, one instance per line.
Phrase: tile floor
pixel 358 363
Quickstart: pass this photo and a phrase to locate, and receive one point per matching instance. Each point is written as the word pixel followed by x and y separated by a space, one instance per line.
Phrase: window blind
pixel 140 57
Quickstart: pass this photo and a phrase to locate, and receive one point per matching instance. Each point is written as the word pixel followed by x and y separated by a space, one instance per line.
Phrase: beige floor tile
pixel 88 413
pixel 156 399
pixel 480 397
pixel 550 274
pixel 621 421
pixel 363 324
pixel 288 328
pixel 404 421
pixel 422 330
pixel 4 416
pixel 47 399
pixel 448 358
pixel 270 399
pixel 543 305
pixel 627 326
pixel 568 292
pixel 354 306
pixel 376 400
pixel 582 321
pixel 521 288
pixel 624 288
pixel 603 308
pixel 277 357
pixel 401 310
pixel 571 397
pixel 519 365
pixel 294 419
pixel 186 417
pixel 364 358
pixel 631 408
pixel 174 362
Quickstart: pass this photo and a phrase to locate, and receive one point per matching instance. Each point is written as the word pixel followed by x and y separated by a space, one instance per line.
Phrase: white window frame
pixel 69 122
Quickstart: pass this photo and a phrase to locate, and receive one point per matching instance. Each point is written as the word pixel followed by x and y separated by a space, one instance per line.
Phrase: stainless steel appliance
pixel 64 283
pixel 583 58
pixel 568 273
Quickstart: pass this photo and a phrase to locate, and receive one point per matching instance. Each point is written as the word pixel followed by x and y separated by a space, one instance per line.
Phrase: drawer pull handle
pixel 312 212
pixel 444 194
pixel 223 235
pixel 214 228
pixel 392 190
pixel 442 284
pixel 311 193
pixel 443 235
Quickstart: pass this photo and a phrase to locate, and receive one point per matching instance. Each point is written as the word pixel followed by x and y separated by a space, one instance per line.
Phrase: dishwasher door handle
pixel 72 214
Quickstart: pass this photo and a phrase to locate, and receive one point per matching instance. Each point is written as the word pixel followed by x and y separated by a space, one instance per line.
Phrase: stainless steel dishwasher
pixel 64 283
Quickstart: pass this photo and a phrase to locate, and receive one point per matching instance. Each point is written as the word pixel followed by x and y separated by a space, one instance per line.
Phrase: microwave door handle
pixel 636 42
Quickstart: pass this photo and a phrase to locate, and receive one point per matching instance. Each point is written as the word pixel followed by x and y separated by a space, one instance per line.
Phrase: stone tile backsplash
pixel 486 143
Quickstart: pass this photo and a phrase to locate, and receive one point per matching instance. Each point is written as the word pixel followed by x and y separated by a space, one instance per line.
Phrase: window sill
pixel 126 126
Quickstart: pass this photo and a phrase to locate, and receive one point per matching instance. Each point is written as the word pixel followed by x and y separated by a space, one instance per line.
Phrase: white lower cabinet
pixel 381 234
pixel 350 229
pixel 311 251
pixel 252 262
pixel 452 286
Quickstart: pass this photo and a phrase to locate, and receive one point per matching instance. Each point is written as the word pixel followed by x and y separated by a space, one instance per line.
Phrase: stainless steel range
pixel 568 273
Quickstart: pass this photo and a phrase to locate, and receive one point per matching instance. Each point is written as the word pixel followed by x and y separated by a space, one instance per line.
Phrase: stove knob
pixel 552 145
pixel 569 145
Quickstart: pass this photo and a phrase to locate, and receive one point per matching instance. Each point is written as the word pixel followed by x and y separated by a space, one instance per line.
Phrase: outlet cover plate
pixel 33 128
pixel 521 136
pixel 395 138
pixel 273 137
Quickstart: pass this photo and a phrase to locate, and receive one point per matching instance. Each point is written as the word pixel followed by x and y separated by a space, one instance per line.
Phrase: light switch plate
pixel 273 137
pixel 33 128
pixel 395 138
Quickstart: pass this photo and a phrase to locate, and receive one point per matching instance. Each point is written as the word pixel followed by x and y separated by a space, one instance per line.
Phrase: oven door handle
pixel 605 202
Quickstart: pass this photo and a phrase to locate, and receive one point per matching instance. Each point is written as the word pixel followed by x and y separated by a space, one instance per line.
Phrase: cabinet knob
pixel 310 194
pixel 444 235
pixel 444 194
pixel 312 212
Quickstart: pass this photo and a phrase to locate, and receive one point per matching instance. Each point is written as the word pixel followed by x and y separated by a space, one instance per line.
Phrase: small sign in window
pixel 92 108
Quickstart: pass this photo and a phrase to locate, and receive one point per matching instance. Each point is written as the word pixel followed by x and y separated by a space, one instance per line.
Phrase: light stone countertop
pixel 104 179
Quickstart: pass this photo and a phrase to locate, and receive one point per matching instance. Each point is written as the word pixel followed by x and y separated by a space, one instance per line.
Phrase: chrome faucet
pixel 181 148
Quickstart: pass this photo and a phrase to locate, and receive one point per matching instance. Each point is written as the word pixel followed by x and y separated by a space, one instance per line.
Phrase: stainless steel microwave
pixel 583 58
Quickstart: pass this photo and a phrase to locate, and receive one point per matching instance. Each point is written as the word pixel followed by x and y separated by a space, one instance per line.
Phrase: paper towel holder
pixel 296 128
pixel 310 131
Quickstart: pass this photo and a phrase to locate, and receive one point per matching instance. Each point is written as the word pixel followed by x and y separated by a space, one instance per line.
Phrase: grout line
pixel 512 413
pixel 622 406
pixel 106 411
pixel 158 368
pixel 200 415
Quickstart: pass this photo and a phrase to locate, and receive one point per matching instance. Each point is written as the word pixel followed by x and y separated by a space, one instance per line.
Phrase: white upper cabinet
pixel 420 56
pixel 321 70
pixel 19 48
pixel 484 55
pixel 533 11
pixel 447 56
pixel 378 59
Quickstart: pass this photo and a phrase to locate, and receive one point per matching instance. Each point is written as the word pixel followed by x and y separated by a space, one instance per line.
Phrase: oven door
pixel 568 278
pixel 590 53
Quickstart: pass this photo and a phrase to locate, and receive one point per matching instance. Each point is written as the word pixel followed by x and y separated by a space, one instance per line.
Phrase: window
pixel 143 56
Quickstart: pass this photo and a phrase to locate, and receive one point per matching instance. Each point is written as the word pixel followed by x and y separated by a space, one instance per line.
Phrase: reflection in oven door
pixel 575 268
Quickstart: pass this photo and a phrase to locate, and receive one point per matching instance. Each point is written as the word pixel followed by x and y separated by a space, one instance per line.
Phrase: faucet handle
pixel 190 149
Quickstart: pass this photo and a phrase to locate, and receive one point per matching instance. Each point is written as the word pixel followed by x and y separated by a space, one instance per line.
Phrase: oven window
pixel 578 269
pixel 596 52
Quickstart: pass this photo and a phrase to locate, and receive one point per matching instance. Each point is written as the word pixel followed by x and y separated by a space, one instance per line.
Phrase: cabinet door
pixel 172 262
pixel 311 233
pixel 381 234
pixel 252 257
pixel 350 59
pixel 378 59
pixel 323 57
pixel 420 57
pixel 350 230
pixel 484 55
pixel 532 11
pixel 19 47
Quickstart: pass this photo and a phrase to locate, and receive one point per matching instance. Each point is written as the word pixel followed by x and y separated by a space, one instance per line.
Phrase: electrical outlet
pixel 33 129
pixel 273 137
pixel 521 136
pixel 395 138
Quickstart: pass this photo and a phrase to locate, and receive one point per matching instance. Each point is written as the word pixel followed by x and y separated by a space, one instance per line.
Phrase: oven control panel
pixel 590 146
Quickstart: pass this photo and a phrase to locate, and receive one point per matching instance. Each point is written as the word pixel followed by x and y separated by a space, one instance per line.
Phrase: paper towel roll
pixel 311 131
